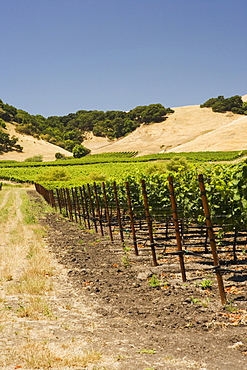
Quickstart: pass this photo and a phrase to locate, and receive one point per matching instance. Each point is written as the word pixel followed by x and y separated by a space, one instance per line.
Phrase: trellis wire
pixel 104 209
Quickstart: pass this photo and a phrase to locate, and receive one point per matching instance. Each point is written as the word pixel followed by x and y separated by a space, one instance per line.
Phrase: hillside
pixel 31 147
pixel 189 128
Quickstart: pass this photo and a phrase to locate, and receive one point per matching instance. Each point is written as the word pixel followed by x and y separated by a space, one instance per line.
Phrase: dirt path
pixel 96 310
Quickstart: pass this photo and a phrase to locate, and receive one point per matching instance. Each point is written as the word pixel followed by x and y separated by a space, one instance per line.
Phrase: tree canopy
pixel 220 104
pixel 8 143
pixel 69 131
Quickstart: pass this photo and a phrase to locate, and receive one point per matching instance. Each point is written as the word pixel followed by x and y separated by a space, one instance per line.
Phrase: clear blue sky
pixel 59 56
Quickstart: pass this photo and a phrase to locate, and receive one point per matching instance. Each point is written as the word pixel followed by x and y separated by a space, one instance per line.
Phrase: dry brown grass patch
pixel 36 355
pixel 35 308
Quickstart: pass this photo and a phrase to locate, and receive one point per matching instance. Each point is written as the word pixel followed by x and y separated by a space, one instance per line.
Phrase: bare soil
pixel 172 326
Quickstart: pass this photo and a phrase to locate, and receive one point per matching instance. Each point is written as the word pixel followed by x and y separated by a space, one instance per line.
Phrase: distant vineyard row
pixel 131 157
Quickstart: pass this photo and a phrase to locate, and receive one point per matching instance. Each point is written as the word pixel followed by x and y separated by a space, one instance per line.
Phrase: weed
pixel 8 307
pixel 125 258
pixel 195 300
pixel 205 302
pixel 34 308
pixel 149 351
pixel 154 281
pixel 230 308
pixel 206 284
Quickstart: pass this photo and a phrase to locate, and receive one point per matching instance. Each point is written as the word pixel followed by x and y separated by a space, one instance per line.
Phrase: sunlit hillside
pixel 189 128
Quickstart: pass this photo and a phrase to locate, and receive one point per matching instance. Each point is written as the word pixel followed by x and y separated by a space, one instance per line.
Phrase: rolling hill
pixel 189 128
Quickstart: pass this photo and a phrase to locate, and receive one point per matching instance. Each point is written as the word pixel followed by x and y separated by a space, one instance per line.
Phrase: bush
pixel 59 156
pixel 177 164
pixel 35 158
pixel 2 123
pixel 80 151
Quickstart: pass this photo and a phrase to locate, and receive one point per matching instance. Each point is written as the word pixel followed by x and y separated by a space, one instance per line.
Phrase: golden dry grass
pixel 37 355
pixel 27 298
pixel 190 128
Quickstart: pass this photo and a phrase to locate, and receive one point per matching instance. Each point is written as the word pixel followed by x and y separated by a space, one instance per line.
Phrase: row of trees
pixel 69 131
pixel 234 104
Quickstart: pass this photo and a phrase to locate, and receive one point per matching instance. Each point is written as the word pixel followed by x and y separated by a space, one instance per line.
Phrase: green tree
pixel 220 104
pixel 8 143
pixel 80 151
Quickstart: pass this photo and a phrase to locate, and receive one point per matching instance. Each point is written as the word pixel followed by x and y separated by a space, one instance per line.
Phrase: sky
pixel 61 56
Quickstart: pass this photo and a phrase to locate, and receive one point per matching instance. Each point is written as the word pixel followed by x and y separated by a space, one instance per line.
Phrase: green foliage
pixel 2 123
pixel 177 164
pixel 206 284
pixel 154 282
pixel 8 143
pixel 245 107
pixel 7 112
pixel 80 151
pixel 156 168
pixel 226 186
pixel 96 176
pixel 145 350
pixel 59 156
pixel 125 258
pixel 54 174
pixel 220 104
pixel 148 114
pixel 68 131
pixel 35 158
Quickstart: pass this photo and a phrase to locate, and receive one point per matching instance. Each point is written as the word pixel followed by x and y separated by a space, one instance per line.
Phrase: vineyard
pixel 161 253
pixel 150 213
pixel 168 219
pixel 112 166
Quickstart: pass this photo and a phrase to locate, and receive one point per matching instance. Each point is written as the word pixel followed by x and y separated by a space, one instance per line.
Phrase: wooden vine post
pixel 98 208
pixel 131 215
pixel 176 225
pixel 85 198
pixel 149 222
pixel 92 207
pixel 74 205
pixel 212 240
pixel 107 211
pixel 65 202
pixel 69 204
pixel 59 200
pixel 118 212
pixel 77 204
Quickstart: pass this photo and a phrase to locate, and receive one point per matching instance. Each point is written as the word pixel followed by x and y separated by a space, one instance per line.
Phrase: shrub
pixel 80 151
pixel 59 156
pixel 177 164
pixel 35 158
pixel 2 123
